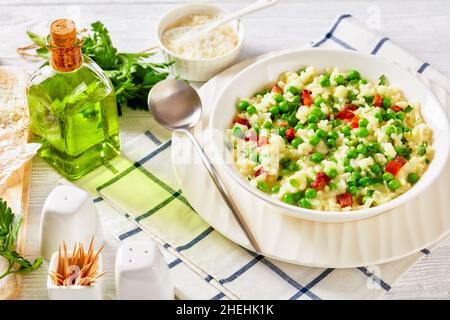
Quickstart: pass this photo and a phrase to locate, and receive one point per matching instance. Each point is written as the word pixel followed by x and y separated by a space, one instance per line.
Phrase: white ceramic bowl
pixel 198 69
pixel 265 72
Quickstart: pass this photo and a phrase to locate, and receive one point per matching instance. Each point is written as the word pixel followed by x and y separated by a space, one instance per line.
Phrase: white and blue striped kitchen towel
pixel 204 264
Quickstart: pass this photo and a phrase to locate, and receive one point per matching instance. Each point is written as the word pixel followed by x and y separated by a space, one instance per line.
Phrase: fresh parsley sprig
pixel 131 74
pixel 9 228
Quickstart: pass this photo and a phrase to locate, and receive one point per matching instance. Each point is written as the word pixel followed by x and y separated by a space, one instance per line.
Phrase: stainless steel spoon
pixel 177 106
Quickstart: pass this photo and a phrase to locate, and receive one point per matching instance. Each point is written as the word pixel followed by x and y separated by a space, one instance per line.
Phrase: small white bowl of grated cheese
pixel 202 58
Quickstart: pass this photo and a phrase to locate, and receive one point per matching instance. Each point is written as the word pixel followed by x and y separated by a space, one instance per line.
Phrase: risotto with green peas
pixel 331 140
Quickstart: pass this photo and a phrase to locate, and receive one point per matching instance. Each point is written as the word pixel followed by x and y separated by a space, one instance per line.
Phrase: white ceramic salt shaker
pixel 69 215
pixel 141 273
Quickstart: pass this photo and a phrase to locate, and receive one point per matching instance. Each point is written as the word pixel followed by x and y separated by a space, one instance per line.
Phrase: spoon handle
pixel 258 5
pixel 223 191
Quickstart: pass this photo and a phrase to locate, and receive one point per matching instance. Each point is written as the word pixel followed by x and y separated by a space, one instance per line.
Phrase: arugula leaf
pixel 9 228
pixel 130 73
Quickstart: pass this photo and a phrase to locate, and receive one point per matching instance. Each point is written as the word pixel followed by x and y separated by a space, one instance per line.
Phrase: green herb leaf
pixel 9 228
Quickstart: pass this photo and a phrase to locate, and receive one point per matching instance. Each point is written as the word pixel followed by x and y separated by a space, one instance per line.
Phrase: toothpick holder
pixel 141 273
pixel 93 292
pixel 68 215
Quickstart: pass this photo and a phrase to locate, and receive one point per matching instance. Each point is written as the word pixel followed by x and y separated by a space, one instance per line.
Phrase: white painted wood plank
pixel 419 26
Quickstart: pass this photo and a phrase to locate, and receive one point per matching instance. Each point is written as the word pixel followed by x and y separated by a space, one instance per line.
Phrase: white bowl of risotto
pixel 203 58
pixel 330 135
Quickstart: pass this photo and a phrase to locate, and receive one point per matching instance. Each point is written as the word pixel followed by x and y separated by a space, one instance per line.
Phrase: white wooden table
pixel 419 26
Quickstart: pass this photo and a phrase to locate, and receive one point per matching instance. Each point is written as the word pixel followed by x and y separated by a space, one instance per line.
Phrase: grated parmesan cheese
pixel 214 44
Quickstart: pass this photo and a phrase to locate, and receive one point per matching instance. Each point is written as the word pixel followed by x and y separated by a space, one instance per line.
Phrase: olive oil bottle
pixel 72 107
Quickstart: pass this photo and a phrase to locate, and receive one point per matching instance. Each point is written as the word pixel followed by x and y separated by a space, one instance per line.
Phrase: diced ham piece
pixel 395 165
pixel 345 199
pixel 321 181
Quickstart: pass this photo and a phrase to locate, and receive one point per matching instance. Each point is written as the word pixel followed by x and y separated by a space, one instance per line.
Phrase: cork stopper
pixel 65 46
pixel 63 33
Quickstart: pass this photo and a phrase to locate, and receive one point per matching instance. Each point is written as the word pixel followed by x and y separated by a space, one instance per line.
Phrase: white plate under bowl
pixel 405 230
pixel 266 72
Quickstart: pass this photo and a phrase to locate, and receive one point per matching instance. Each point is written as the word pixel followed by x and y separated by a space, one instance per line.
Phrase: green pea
pixel 321 133
pixel 274 110
pixel 403 151
pixel 296 142
pixel 298 195
pixel 422 150
pixel 293 166
pixel 293 90
pixel 373 147
pixel 352 153
pixel 386 103
pixel 390 130
pixel 314 140
pixel 331 143
pixel 237 132
pixel 390 114
pixel 353 190
pixel 387 176
pixel 278 97
pixel 251 110
pixel 310 193
pixel 294 182
pixel 267 124
pixel 400 116
pixel 304 203
pixel 261 185
pixel 363 132
pixel 312 126
pixel 313 118
pixel 376 168
pixel 339 79
pixel 288 198
pixel 353 75
pixel 319 100
pixel 363 182
pixel 413 178
pixel 348 168
pixel 351 95
pixel 408 109
pixel 292 121
pixel 275 189
pixel 333 135
pixel 332 173
pixel 378 116
pixel 363 122
pixel 361 148
pixel 242 106
pixel 394 184
pixel 284 106
pixel 363 81
pixel 317 157
pixel 332 185
pixel 295 100
pixel 347 131
pixel 346 161
pixel 317 112
pixel 325 82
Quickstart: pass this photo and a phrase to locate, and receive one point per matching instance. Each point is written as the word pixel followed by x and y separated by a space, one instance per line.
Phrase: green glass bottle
pixel 72 107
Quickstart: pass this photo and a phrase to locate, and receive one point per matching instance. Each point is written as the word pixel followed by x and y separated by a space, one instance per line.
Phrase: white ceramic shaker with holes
pixel 68 215
pixel 141 273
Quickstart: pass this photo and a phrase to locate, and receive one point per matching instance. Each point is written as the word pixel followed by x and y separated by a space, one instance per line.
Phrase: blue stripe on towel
pixel 130 233
pixel 152 137
pixel 342 43
pixel 333 28
pixel 379 45
pixel 98 199
pixel 425 251
pixel 378 280
pixel 175 262
pixel 241 270
pixel 316 280
pixel 218 296
pixel 197 239
pixel 208 278
pixel 158 207
pixel 423 67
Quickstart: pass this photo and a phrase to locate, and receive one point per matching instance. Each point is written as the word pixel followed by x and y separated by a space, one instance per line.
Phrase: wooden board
pixel 16 194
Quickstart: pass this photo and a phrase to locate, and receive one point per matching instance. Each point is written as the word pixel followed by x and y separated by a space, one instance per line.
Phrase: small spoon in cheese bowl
pixel 192 34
